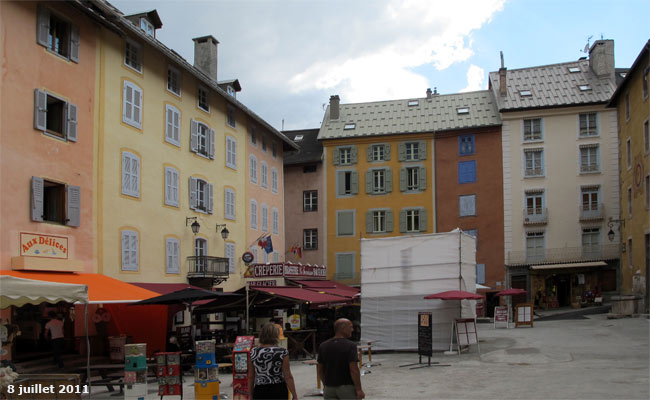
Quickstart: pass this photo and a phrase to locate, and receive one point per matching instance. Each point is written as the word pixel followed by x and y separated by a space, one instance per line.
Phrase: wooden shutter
pixel 402 179
pixel 353 155
pixel 336 157
pixel 422 176
pixel 369 181
pixel 388 180
pixel 194 135
pixel 369 222
pixel 193 196
pixel 73 205
pixel 211 143
pixel 74 44
pixel 43 27
pixel 389 221
pixel 354 182
pixel 402 221
pixel 340 182
pixel 209 188
pixel 369 153
pixel 422 214
pixel 387 152
pixel 422 149
pixel 40 110
pixel 38 186
pixel 71 126
pixel 401 153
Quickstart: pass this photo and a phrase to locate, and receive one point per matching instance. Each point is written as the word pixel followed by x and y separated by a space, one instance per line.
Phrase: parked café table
pixel 297 341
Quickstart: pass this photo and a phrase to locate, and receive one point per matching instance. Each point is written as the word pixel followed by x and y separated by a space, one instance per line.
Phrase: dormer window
pixel 298 138
pixel 462 110
pixel 413 103
pixel 147 27
pixel 525 93
pixel 574 70
pixel 348 127
pixel 231 91
pixel 584 88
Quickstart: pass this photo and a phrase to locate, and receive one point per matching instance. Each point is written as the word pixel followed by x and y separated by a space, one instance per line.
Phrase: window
pixel 274 149
pixel 532 129
pixel 132 105
pixel 55 116
pixel 345 155
pixel 629 202
pixel 347 183
pixel 130 174
pixel 466 172
pixel 133 55
pixel 413 103
pixel 345 268
pixel 534 203
pixel 57 35
pixel 231 119
pixel 412 151
pixel 147 27
pixel 590 198
pixel 275 224
pixel 231 92
pixel 201 251
pixel 172 256
pixel 253 169
pixel 627 106
pixel 200 195
pixel 628 153
pixel 467 205
pixel 379 221
pixel 574 70
pixel 630 257
pixel 253 214
pixel 201 139
pixel 588 124
pixel 253 136
pixel 171 186
pixel 345 223
pixel 480 274
pixel 129 250
pixel 203 99
pixel 466 145
pixel 231 152
pixel 584 88
pixel 534 162
pixel 229 204
pixel 413 178
pixel 309 168
pixel 534 246
pixel 174 80
pixel 55 202
pixel 264 174
pixel 646 137
pixel 298 138
pixel 274 180
pixel 379 152
pixel 230 255
pixel 589 159
pixel 379 181
pixel 263 143
pixel 413 220
pixel 310 200
pixel 265 257
pixel 348 127
pixel 310 239
pixel 265 218
pixel 276 256
pixel 462 110
pixel 172 125
pixel 591 242
pixel 525 93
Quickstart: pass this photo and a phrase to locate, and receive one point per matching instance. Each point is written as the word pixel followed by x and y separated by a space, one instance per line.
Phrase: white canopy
pixel 18 292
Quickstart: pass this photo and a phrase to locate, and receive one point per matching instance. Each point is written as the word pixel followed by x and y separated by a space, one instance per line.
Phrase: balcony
pixel 535 216
pixel 206 271
pixel 589 168
pixel 564 255
pixel 592 212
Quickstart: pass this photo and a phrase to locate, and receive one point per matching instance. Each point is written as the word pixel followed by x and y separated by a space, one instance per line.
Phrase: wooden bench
pixel 224 365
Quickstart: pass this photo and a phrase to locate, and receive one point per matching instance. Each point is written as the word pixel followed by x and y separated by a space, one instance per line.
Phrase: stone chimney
pixel 334 107
pixel 205 55
pixel 429 94
pixel 503 75
pixel 601 58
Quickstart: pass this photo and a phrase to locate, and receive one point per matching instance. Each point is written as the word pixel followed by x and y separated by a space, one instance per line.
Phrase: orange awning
pixel 101 288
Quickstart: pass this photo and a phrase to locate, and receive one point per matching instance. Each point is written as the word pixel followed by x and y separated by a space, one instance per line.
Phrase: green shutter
pixel 369 181
pixel 402 179
pixel 336 159
pixel 340 183
pixel 422 148
pixel 353 153
pixel 369 153
pixel 423 220
pixel 387 152
pixel 423 178
pixel 369 227
pixel 354 182
pixel 389 221
pixel 388 184
pixel 401 156
pixel 402 221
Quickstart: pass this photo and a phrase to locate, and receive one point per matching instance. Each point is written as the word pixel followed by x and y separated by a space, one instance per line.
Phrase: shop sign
pixel 247 257
pixel 263 283
pixel 47 246
pixel 294 321
pixel 501 316
pixel 286 270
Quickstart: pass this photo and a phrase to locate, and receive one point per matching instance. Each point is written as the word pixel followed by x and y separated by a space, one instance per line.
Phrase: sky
pixel 290 56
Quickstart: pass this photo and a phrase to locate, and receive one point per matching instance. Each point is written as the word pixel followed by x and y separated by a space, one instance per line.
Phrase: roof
pixel 311 150
pixel 440 113
pixel 551 86
pixel 637 64
pixel 327 286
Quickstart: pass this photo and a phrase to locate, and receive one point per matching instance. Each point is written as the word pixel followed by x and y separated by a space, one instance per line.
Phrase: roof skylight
pixel 573 70
pixel 350 126
pixel 525 93
pixel 462 110
pixel 584 88
pixel 413 103
pixel 298 138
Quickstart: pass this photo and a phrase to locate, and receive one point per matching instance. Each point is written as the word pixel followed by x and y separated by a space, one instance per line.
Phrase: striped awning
pixel 569 265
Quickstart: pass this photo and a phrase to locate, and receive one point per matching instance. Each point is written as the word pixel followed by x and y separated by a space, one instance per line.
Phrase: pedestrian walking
pixel 54 330
pixel 338 364
pixel 271 376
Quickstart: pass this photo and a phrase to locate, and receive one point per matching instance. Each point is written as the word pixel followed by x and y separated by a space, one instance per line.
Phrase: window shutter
pixel 43 27
pixel 126 177
pixel 125 251
pixel 169 256
pixel 369 224
pixel 480 273
pixel 369 153
pixel 388 180
pixel 74 44
pixel 73 205
pixel 134 251
pixel 389 221
pixel 71 131
pixel 422 215
pixel 168 185
pixel 211 144
pixel 422 176
pixel 401 156
pixel 369 182
pixel 193 196
pixel 402 179
pixel 210 197
pixel 402 221
pixel 194 135
pixel 354 182
pixel 37 198
pixel 40 110
pixel 354 156
pixel 336 159
pixel 422 148
pixel 135 176
pixel 387 152
pixel 340 183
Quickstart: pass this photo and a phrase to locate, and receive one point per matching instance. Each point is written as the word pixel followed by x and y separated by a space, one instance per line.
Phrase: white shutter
pixel 40 110
pixel 169 256
pixel 125 250
pixel 209 193
pixel 71 129
pixel 74 44
pixel 194 135
pixel 73 205
pixel 37 198
pixel 211 144
pixel 253 214
pixel 127 106
pixel 134 251
pixel 171 186
pixel 137 106
pixel 43 27
pixel 135 176
pixel 193 194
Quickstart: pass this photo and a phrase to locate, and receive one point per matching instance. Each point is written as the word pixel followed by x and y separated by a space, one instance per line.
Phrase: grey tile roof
pixel 311 150
pixel 551 86
pixel 397 117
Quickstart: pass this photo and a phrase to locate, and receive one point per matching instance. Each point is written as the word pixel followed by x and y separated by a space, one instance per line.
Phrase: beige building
pixel 560 177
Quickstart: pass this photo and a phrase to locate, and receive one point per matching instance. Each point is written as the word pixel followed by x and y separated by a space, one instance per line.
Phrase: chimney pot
pixel 205 55
pixel 429 93
pixel 334 107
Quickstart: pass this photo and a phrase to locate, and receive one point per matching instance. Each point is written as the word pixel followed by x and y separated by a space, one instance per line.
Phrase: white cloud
pixel 475 78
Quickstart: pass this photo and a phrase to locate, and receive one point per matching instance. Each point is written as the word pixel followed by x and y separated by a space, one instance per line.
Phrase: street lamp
pixel 610 224
pixel 224 231
pixel 195 225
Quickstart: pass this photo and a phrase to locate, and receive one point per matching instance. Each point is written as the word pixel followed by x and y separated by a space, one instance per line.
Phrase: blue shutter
pixel 467 171
pixel 480 273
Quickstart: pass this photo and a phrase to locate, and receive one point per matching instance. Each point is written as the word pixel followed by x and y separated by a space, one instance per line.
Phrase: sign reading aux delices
pixel 35 245
pixel 286 270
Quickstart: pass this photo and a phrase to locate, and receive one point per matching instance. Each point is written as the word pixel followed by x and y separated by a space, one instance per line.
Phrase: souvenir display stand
pixel 206 371
pixel 240 373
pixel 135 371
pixel 168 372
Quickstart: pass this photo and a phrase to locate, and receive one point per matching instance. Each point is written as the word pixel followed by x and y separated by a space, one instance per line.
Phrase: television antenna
pixel 586 49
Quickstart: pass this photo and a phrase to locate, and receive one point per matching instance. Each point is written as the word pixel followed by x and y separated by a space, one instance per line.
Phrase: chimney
pixel 503 72
pixel 601 58
pixel 205 55
pixel 334 107
pixel 429 94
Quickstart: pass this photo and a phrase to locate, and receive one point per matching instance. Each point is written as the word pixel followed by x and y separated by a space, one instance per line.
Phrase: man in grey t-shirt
pixel 338 364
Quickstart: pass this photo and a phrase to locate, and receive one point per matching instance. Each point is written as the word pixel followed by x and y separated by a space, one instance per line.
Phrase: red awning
pixel 330 287
pixel 303 295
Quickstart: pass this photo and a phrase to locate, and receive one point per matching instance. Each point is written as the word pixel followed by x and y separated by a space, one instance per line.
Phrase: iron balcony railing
pixel 591 212
pixel 207 267
pixel 535 216
pixel 564 254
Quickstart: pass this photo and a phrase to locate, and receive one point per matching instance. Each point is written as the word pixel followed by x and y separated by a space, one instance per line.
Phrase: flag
pixel 295 249
pixel 269 245
pixel 262 242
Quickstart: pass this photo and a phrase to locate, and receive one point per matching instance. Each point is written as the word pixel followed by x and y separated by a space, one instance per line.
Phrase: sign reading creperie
pixel 286 270
pixel 34 245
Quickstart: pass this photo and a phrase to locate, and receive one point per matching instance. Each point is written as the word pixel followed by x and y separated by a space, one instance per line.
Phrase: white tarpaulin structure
pixel 18 292
pixel 396 274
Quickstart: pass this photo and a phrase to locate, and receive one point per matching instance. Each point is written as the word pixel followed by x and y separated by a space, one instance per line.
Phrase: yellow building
pixel 633 108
